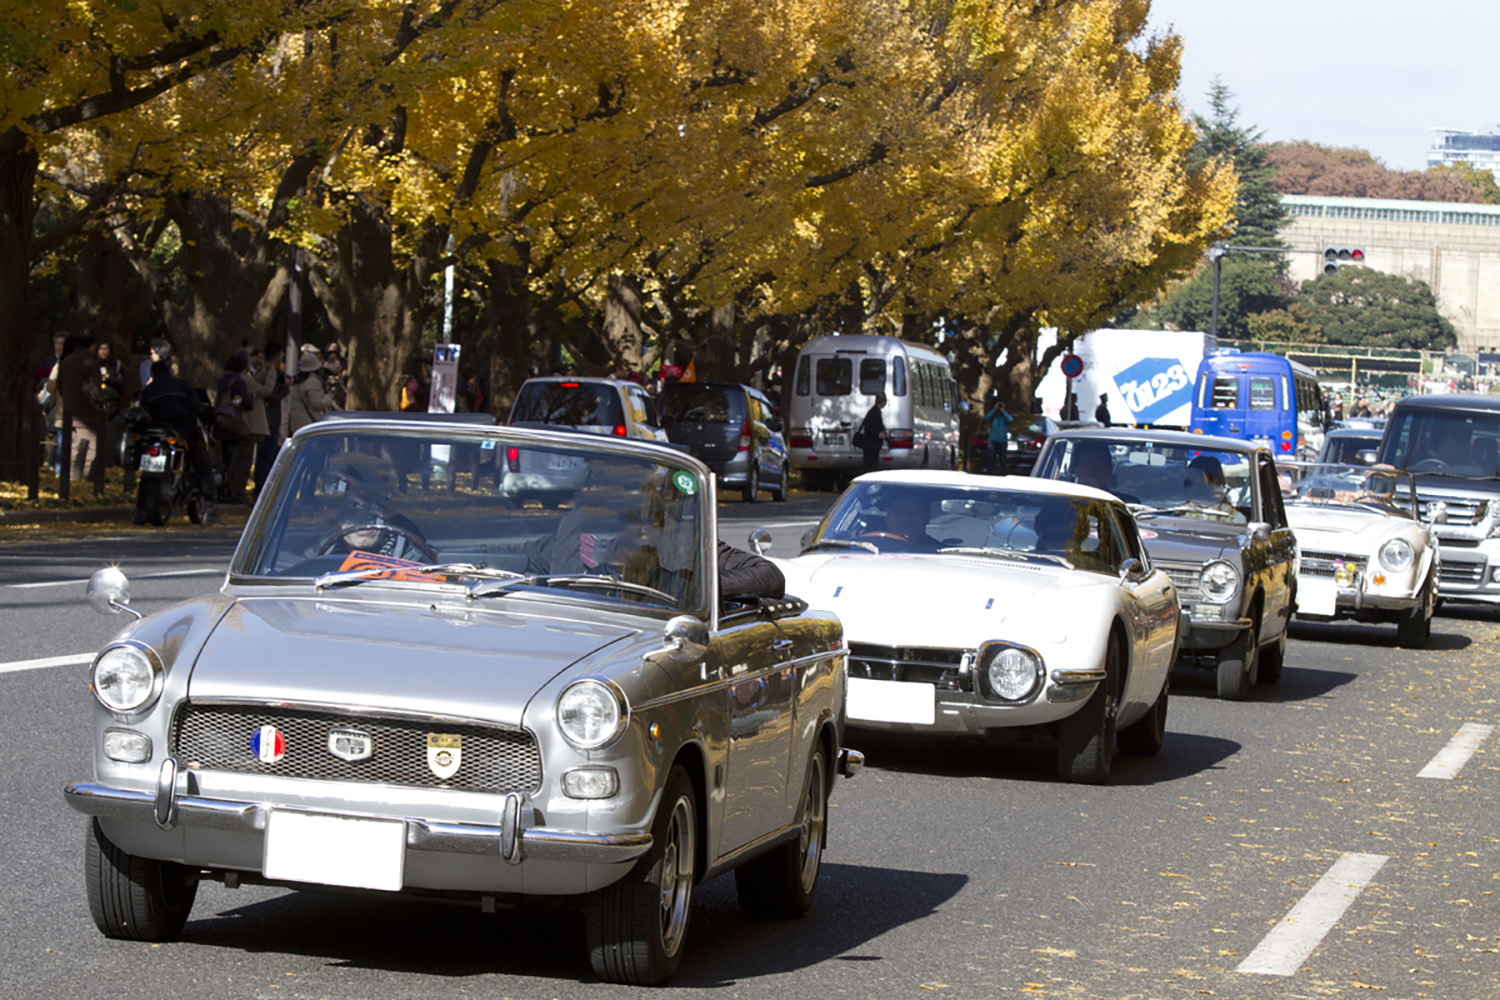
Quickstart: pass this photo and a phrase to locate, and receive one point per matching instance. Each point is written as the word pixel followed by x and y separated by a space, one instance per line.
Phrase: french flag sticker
pixel 268 744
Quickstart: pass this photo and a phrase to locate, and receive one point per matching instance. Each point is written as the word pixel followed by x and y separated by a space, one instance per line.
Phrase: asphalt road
pixel 1296 833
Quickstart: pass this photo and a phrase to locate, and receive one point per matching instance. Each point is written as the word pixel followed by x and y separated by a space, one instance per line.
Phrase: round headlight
pixel 1218 582
pixel 590 714
pixel 1396 555
pixel 125 678
pixel 1013 674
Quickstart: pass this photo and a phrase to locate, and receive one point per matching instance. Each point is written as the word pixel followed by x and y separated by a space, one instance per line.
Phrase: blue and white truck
pixel 1147 375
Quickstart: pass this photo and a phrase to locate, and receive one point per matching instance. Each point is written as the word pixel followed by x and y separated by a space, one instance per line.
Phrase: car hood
pixel 940 600
pixel 1337 529
pixel 424 658
pixel 1189 539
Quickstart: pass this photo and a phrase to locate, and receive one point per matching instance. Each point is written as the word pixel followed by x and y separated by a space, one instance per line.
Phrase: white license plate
pixel 891 701
pixel 153 463
pixel 837 439
pixel 563 463
pixel 335 850
pixel 1317 597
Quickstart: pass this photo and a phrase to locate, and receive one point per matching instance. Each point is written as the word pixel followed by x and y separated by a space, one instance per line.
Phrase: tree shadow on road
pixel 545 941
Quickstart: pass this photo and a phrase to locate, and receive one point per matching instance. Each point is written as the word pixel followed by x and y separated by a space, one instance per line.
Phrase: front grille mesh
pixel 217 738
pixel 1457 572
pixel 904 663
pixel 1325 563
pixel 1184 579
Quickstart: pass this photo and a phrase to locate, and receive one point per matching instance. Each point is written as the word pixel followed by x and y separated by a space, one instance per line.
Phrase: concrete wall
pixel 1454 248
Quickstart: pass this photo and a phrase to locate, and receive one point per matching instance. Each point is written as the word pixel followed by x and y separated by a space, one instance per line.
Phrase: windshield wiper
pixel 1185 509
pixel 844 543
pixel 339 577
pixel 601 580
pixel 985 550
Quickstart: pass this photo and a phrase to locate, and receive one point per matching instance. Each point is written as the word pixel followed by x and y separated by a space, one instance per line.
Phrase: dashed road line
pixel 1287 946
pixel 1451 759
pixel 74 659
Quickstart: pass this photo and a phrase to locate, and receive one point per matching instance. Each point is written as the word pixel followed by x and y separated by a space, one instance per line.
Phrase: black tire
pixel 781 882
pixel 195 508
pixel 636 927
pixel 779 494
pixel 752 483
pixel 1269 660
pixel 1086 739
pixel 1144 737
pixel 1236 668
pixel 135 899
pixel 1414 627
pixel 154 501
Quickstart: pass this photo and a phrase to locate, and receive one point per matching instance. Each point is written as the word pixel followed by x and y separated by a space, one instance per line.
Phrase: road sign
pixel 1072 365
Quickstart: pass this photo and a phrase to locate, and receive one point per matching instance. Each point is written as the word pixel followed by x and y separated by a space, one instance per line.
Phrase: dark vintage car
pixel 1343 445
pixel 406 684
pixel 1210 513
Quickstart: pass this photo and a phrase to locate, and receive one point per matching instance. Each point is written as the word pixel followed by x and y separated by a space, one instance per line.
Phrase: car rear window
pixel 709 404
pixel 576 404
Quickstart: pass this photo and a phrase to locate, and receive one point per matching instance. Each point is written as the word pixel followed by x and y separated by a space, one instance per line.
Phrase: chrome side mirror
pixel 1132 569
pixel 1366 457
pixel 109 592
pixel 683 640
pixel 760 541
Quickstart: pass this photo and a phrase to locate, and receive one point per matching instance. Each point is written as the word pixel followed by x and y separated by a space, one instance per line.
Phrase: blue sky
pixel 1376 74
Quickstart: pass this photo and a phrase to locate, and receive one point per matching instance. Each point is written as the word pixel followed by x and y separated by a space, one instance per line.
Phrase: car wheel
pixel 194 507
pixel 779 494
pixel 135 899
pixel 1145 736
pixel 1086 739
pixel 636 927
pixel 1269 660
pixel 1415 626
pixel 752 483
pixel 153 501
pixel 1236 668
pixel 781 882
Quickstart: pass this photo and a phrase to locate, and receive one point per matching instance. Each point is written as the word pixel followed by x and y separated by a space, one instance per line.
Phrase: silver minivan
pixel 835 384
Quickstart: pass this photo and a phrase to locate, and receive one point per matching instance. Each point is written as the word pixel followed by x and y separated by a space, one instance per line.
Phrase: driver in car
pixel 363 520
pixel 906 520
pixel 1206 486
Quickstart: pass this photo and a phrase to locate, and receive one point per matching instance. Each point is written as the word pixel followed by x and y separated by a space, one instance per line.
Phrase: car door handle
pixel 781 644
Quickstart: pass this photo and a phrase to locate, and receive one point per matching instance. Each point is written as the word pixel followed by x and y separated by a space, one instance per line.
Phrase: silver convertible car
pixel 407 685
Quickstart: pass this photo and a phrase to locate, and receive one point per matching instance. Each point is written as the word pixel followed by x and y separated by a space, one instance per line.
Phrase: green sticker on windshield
pixel 685 482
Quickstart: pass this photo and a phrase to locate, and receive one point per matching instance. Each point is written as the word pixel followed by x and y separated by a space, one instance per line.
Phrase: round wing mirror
pixel 109 592
pixel 760 540
pixel 684 639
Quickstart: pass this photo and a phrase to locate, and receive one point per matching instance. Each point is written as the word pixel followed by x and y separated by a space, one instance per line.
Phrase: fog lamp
pixel 591 783
pixel 1343 573
pixel 127 746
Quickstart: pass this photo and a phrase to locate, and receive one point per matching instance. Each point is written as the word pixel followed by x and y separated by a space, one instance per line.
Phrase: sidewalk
pixel 116 506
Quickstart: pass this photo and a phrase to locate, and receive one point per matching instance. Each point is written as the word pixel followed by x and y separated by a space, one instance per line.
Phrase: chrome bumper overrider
pixel 509 838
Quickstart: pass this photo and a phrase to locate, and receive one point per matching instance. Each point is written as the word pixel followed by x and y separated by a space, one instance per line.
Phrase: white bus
pixel 834 386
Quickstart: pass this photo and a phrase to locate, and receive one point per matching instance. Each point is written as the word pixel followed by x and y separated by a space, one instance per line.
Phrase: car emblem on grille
pixel 444 752
pixel 350 744
pixel 268 744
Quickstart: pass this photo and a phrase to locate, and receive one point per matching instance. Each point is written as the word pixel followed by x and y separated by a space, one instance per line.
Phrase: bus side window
pixel 898 376
pixel 804 386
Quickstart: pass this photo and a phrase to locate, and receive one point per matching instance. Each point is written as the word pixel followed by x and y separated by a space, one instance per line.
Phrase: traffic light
pixel 1334 256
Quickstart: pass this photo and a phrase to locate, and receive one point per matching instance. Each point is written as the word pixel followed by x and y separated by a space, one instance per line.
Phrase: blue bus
pixel 1261 397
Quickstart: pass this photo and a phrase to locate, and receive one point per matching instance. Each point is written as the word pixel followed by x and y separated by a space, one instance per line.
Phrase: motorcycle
pixel 167 480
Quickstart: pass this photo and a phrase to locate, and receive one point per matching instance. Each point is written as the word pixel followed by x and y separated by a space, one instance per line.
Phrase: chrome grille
pixel 1324 563
pixel 217 738
pixel 1460 572
pixel 906 663
pixel 1461 511
pixel 1184 579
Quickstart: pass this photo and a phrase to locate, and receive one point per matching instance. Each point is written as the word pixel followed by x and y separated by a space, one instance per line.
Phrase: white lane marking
pixel 140 576
pixel 45 662
pixel 1282 952
pixel 1451 759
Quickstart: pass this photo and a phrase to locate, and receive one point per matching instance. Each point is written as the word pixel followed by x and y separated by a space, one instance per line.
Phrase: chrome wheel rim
pixel 814 822
pixel 677 876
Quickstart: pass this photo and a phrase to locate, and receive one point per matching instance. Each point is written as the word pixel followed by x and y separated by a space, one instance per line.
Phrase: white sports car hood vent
pixel 484 664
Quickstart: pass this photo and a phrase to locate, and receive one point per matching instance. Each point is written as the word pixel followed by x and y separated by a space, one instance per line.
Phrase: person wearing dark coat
pixel 870 437
pixel 1101 412
pixel 171 400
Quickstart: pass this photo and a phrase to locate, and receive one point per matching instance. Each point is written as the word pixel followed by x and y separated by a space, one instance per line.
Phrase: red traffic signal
pixel 1334 256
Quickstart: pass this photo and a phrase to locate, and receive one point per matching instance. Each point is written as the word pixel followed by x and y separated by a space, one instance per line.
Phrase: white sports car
pixel 1365 554
pixel 1004 606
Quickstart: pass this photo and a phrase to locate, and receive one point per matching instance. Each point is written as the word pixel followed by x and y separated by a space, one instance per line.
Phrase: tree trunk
pixel 20 350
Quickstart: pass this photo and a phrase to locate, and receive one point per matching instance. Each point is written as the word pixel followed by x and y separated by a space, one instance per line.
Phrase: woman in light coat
pixel 309 397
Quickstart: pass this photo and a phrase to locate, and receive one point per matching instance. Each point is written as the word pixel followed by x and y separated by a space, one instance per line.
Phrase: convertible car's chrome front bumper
pixel 510 837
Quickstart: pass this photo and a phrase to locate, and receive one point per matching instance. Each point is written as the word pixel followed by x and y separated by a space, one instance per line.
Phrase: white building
pixel 1481 150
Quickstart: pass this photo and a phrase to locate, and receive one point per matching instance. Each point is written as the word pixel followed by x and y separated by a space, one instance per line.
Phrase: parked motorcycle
pixel 167 481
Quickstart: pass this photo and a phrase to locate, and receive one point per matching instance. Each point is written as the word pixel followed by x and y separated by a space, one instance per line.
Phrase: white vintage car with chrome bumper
pixel 423 689
pixel 1364 553
pixel 998 606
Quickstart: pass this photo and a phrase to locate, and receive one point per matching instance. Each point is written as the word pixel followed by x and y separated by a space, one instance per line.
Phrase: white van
pixel 834 386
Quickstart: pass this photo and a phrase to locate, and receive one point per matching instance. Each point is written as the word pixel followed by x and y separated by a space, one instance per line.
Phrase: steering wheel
pixel 883 534
pixel 417 541
pixel 1428 464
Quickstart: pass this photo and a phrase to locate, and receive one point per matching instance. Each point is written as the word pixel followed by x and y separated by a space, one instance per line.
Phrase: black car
pixel 731 428
pixel 1022 446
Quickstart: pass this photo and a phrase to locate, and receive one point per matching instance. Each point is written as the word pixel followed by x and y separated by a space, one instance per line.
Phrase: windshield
pixel 1153 476
pixel 900 517
pixel 1446 442
pixel 576 404
pixel 439 495
pixel 1328 484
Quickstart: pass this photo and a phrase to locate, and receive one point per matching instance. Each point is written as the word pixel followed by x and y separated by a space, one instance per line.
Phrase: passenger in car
pixel 906 519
